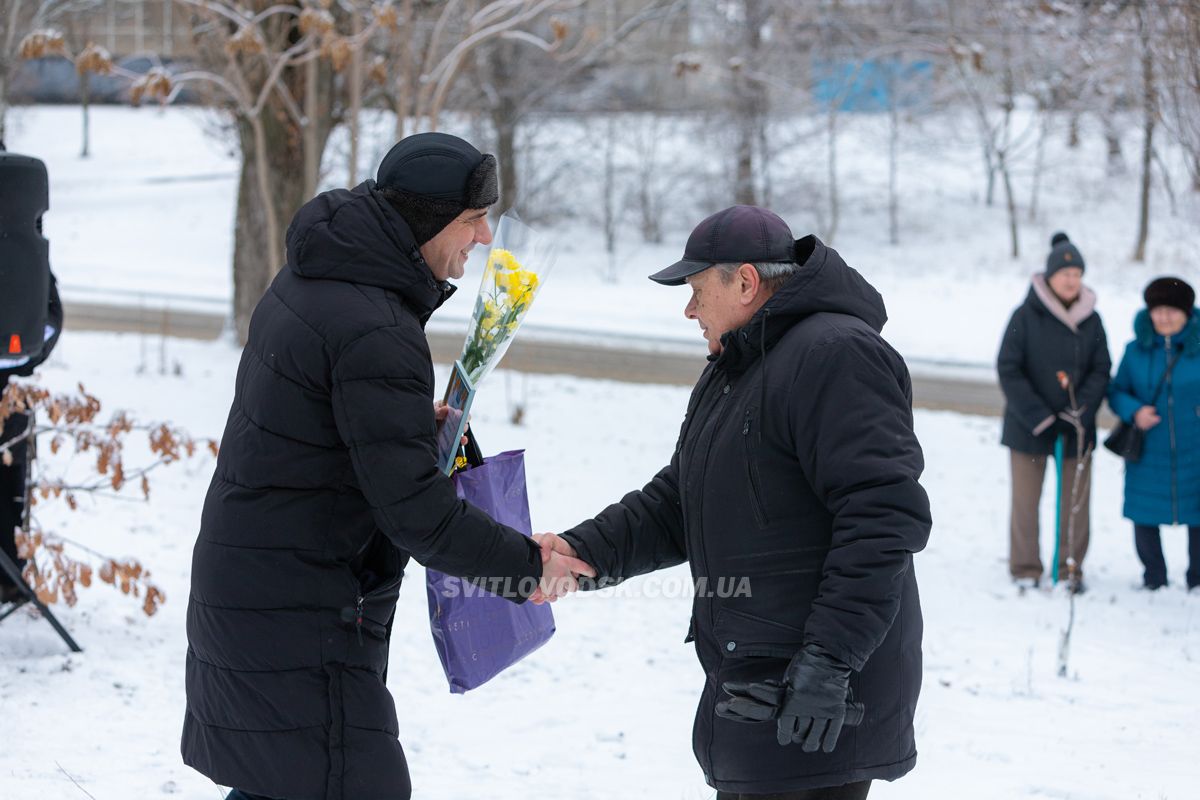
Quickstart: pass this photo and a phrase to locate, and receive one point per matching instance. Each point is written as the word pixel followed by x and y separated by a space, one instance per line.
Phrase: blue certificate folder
pixel 460 393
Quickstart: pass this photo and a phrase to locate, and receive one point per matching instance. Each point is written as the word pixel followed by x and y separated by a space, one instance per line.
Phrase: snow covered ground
pixel 152 211
pixel 605 709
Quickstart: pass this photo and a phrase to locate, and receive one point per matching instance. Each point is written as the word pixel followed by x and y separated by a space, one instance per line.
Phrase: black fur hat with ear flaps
pixel 431 178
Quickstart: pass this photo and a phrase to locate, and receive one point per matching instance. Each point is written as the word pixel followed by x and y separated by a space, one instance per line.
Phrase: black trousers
pixel 238 794
pixel 12 490
pixel 849 791
pixel 1148 541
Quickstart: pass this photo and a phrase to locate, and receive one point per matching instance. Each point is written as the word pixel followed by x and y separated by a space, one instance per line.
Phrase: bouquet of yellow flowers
pixel 517 267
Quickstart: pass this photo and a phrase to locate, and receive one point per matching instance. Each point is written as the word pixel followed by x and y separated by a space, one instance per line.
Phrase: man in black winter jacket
pixel 796 470
pixel 327 484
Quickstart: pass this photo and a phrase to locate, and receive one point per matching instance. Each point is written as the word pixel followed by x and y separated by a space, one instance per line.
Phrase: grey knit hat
pixel 1063 254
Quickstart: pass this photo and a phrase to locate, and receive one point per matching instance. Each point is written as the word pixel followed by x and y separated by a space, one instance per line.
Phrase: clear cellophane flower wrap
pixel 517 266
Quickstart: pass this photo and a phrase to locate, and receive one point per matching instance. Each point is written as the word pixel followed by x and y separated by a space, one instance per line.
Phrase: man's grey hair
pixel 773 274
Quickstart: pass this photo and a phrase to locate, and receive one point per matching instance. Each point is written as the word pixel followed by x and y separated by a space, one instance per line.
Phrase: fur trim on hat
pixel 483 186
pixel 426 216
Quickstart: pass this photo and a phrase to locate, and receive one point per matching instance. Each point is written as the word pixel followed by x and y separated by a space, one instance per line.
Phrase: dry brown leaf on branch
pixel 560 29
pixel 94 59
pixel 50 570
pixel 42 43
pixel 104 460
pixel 154 599
pixel 247 41
pixel 155 84
pixel 338 51
pixel 27 543
pixel 317 22
pixel 387 16
pixel 377 71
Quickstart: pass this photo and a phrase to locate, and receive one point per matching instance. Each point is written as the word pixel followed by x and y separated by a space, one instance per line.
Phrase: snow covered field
pixel 605 709
pixel 152 211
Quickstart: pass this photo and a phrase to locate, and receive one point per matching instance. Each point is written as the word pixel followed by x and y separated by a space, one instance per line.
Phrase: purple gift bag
pixel 477 634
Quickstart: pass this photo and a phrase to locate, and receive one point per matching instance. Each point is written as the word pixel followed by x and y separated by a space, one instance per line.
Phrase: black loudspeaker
pixel 24 256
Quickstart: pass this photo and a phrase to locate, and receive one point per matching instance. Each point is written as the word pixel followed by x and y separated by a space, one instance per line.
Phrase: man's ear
pixel 750 282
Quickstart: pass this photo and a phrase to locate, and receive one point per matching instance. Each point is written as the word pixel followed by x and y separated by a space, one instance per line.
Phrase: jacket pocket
pixel 752 474
pixel 742 635
pixel 369 606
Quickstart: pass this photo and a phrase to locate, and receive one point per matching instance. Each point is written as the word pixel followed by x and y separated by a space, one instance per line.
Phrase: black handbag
pixel 1127 439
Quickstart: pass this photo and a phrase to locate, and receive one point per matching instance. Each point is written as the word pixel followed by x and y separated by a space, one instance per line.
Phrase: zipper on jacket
pixel 1171 430
pixel 702 460
pixel 358 618
pixel 760 511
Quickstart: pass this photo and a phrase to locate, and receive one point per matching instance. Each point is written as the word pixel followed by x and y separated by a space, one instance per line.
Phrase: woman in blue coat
pixel 1163 487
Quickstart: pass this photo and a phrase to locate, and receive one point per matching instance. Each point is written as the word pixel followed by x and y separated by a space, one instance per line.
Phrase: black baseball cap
pixel 739 235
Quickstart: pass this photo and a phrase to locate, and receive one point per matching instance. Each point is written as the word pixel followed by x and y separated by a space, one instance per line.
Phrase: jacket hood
pixel 1147 338
pixel 1043 298
pixel 354 235
pixel 825 283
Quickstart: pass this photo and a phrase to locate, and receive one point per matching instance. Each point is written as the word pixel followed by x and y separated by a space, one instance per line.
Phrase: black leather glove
pixel 809 706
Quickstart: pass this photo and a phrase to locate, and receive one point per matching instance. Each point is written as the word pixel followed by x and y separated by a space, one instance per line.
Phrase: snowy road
pixel 967 389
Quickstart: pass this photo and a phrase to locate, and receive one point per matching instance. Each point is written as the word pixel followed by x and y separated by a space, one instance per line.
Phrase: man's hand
pixel 1146 417
pixel 814 706
pixel 553 543
pixel 559 574
pixel 440 412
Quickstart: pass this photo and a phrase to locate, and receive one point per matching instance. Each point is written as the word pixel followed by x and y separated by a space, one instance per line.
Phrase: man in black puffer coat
pixel 326 485
pixel 793 494
pixel 1055 330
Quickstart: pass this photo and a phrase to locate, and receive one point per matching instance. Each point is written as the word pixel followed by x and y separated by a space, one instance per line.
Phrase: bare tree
pixel 997 69
pixel 19 19
pixel 1180 83
pixel 520 71
pixel 15 22
pixel 272 68
pixel 1145 22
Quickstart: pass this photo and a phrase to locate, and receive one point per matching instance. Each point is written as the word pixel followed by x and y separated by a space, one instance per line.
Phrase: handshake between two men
pixel 809 705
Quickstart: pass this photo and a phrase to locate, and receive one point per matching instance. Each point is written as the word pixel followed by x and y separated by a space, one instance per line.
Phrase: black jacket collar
pixel 355 235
